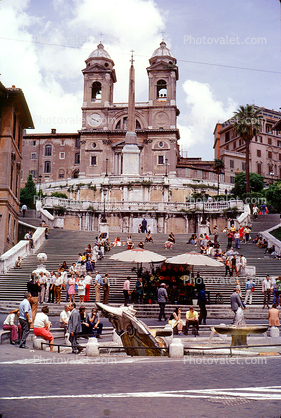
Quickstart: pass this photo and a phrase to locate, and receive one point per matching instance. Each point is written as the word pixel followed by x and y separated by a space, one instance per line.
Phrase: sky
pixel 228 54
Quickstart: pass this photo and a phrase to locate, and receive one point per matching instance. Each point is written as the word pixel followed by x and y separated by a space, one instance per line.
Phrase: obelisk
pixel 131 151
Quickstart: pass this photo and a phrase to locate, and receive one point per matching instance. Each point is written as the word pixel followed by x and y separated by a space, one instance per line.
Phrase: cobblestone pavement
pixel 42 384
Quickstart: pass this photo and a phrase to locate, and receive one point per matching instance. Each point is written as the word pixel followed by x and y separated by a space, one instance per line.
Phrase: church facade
pixel 126 158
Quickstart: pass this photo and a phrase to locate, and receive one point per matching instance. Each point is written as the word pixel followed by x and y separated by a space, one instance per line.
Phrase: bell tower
pixel 99 78
pixel 163 76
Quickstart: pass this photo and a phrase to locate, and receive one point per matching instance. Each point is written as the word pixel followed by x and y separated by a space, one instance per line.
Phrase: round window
pixel 94 145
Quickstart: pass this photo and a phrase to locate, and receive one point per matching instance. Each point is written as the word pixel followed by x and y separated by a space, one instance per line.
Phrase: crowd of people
pixel 75 322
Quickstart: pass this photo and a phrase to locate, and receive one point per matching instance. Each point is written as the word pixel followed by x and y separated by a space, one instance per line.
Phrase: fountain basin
pixel 239 334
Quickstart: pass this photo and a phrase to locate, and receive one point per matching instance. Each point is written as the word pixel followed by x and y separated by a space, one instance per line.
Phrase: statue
pixel 134 333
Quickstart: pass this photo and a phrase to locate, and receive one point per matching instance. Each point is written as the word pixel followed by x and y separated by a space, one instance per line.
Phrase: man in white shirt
pixel 267 286
pixel 242 265
pixel 126 290
pixel 88 282
pixel 64 317
pixel 57 287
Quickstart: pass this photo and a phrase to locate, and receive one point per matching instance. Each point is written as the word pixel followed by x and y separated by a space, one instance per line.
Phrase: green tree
pixel 273 195
pixel 247 124
pixel 239 189
pixel 60 195
pixel 28 192
pixel 218 167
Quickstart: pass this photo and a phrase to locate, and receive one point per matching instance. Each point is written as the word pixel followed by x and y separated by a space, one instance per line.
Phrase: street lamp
pixel 203 215
pixel 272 175
pixel 39 192
pixel 106 162
pixel 80 216
pixel 166 164
pixel 103 218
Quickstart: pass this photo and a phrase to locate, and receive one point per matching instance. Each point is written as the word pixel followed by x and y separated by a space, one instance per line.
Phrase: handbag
pixel 81 286
pixel 252 289
pixel 76 287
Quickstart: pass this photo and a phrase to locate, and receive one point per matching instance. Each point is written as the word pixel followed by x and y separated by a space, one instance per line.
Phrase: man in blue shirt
pixel 25 318
pixel 98 285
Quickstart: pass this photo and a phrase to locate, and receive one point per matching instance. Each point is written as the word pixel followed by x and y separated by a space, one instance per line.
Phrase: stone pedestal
pixel 274 332
pixel 176 349
pixel 37 343
pixel 203 229
pixel 104 228
pixel 131 160
pixel 92 347
pixel 66 339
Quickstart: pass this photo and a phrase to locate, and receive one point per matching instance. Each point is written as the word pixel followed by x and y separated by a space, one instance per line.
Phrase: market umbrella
pixel 194 259
pixel 138 255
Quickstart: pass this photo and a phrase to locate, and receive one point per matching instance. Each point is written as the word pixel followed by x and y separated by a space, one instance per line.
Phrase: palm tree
pixel 247 124
pixel 218 166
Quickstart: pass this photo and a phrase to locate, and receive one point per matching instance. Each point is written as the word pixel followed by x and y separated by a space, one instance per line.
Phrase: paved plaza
pixel 43 384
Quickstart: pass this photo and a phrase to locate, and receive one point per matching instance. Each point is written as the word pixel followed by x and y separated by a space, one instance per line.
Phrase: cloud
pixel 46 52
pixel 203 112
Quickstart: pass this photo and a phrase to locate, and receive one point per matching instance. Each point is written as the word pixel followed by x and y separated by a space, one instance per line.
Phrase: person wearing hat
pixel 162 297
pixel 235 302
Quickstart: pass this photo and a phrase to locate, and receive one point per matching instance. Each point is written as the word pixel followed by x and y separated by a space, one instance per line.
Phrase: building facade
pixel 265 148
pixel 14 118
pixel 126 155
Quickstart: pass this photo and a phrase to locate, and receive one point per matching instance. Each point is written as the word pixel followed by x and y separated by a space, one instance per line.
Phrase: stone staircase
pixel 64 245
pixel 30 218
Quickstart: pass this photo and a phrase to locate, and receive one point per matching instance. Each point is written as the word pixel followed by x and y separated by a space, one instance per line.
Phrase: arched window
pixel 47 167
pixel 61 173
pixel 161 90
pixel 48 150
pixel 138 126
pixel 96 91
pixel 122 124
pixel 75 174
pixel 77 158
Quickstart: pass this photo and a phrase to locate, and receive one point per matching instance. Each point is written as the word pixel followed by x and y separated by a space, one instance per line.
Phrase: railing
pixel 271 240
pixel 116 206
pixel 22 249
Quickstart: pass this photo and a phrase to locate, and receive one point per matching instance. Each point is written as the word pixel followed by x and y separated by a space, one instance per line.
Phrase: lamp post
pixel 80 216
pixel 106 162
pixel 166 167
pixel 272 175
pixel 103 218
pixel 203 215
pixel 39 191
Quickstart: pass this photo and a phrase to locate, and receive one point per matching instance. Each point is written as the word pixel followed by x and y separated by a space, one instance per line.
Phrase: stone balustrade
pixel 167 207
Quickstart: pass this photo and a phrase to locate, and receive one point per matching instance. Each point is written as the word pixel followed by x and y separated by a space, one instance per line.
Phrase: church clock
pixel 94 120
